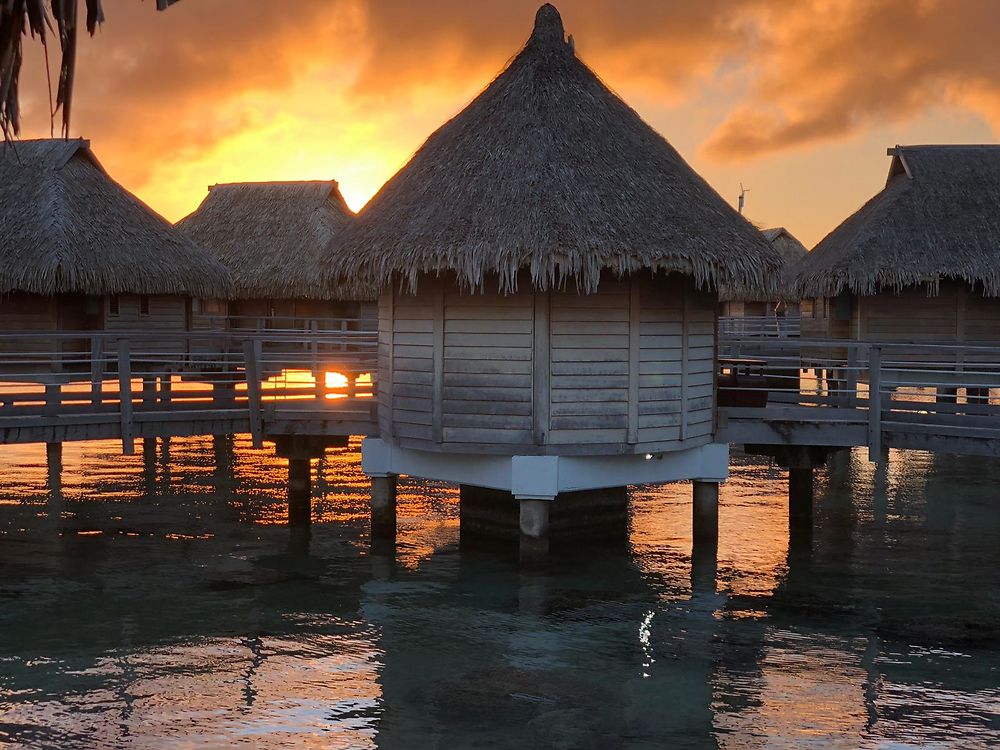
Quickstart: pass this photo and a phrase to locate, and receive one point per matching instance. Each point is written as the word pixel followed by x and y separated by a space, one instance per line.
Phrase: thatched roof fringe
pixel 68 227
pixel 547 170
pixel 937 218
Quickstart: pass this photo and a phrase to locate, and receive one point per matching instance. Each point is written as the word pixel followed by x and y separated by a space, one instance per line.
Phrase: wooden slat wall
pixel 590 366
pixel 982 318
pixel 544 370
pixel 487 369
pixel 910 316
pixel 676 392
pixel 411 352
pixel 166 313
pixel 27 312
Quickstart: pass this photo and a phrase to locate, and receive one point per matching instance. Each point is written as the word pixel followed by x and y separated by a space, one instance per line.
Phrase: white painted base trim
pixel 544 477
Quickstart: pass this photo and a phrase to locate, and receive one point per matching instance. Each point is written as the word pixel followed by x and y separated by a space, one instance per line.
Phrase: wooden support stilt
pixel 800 496
pixel 299 492
pixel 383 506
pixel 705 513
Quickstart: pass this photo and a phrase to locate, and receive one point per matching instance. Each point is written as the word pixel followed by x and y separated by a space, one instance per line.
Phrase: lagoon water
pixel 159 602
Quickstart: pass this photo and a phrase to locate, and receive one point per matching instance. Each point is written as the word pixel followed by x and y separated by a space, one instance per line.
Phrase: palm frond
pixel 19 18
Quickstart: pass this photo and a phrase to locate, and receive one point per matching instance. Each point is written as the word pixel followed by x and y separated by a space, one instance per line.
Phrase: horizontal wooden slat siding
pixel 487 367
pixel 982 318
pixel 28 312
pixel 409 341
pixel 590 364
pixel 487 435
pixel 910 315
pixel 677 362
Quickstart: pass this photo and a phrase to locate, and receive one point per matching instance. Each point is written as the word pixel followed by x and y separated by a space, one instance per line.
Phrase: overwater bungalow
pixel 274 236
pixel 920 261
pixel 762 310
pixel 81 253
pixel 549 267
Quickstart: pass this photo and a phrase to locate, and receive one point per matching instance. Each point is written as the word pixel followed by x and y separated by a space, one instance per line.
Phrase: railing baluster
pixel 96 370
pixel 252 350
pixel 875 404
pixel 125 397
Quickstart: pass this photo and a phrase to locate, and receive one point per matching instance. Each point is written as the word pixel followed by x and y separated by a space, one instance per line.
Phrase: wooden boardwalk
pixel 271 383
pixel 797 392
pixel 774 390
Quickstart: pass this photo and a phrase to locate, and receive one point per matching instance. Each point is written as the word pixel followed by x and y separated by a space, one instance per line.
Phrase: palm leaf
pixel 19 18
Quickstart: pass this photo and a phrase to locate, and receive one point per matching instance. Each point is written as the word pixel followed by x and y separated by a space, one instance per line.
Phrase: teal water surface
pixel 160 602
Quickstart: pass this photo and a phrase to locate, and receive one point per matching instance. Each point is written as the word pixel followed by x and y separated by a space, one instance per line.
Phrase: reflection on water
pixel 159 600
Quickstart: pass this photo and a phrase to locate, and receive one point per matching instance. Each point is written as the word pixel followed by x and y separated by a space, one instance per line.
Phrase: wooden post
pixel 875 404
pixel 96 370
pixel 852 376
pixel 166 388
pixel 383 506
pixel 314 344
pixel 800 495
pixel 299 492
pixel 634 318
pixel 252 354
pixel 148 391
pixel 343 335
pixel 53 399
pixel 541 367
pixel 125 397
pixel 705 513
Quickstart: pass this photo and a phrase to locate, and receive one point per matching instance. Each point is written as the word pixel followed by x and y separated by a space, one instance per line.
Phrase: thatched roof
pixel 782 287
pixel 274 236
pixel 938 217
pixel 66 226
pixel 547 169
pixel 786 243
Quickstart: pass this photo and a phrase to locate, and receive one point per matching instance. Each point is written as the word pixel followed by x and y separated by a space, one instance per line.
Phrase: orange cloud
pixel 828 70
pixel 347 89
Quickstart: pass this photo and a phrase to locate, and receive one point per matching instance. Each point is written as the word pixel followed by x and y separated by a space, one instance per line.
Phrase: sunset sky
pixel 796 99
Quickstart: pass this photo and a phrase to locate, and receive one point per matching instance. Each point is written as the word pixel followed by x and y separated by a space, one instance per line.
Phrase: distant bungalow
pixel 81 253
pixel 549 264
pixel 919 262
pixel 784 299
pixel 274 237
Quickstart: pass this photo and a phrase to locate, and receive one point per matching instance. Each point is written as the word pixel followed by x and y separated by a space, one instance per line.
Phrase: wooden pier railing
pixel 929 396
pixel 754 327
pixel 93 385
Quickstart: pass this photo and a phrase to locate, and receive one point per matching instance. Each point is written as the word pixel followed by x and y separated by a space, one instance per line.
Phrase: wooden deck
pixel 270 384
pixel 934 397
pixel 321 382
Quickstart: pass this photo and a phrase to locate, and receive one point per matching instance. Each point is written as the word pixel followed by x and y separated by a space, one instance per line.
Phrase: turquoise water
pixel 158 602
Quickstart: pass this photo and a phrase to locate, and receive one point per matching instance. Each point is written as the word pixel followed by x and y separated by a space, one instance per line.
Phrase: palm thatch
pixel 18 18
pixel 549 170
pixel 274 237
pixel 938 217
pixel 66 226
pixel 782 287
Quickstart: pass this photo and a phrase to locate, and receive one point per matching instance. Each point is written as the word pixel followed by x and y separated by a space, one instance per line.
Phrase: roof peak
pixel 274 183
pixel 942 147
pixel 548 26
